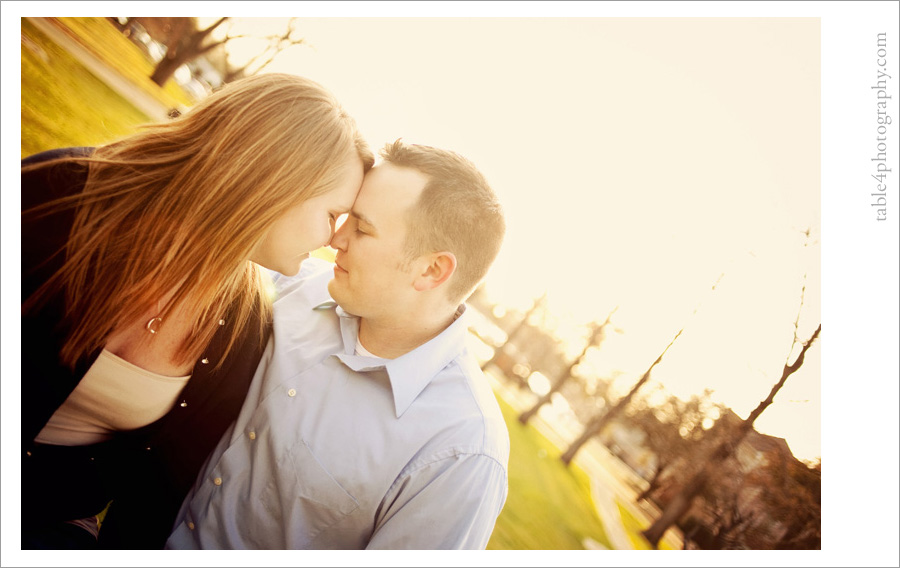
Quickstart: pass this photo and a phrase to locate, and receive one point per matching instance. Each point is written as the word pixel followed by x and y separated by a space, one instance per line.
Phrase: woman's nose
pixel 338 240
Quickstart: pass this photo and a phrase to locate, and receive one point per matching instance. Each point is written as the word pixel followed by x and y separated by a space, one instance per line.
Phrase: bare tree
pixel 186 43
pixel 596 425
pixel 595 339
pixel 187 46
pixel 682 501
pixel 517 331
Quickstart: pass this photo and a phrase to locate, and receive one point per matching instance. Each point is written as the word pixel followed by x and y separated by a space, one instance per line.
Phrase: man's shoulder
pixel 481 421
pixel 486 399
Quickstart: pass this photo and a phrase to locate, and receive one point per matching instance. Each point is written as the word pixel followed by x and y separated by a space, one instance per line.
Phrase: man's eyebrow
pixel 360 217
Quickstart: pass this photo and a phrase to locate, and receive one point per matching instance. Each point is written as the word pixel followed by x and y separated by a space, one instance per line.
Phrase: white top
pixel 114 395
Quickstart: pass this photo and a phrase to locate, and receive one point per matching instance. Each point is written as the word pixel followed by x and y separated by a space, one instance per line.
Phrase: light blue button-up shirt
pixel 334 450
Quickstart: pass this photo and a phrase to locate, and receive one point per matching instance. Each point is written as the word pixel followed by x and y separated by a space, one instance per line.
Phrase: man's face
pixel 371 275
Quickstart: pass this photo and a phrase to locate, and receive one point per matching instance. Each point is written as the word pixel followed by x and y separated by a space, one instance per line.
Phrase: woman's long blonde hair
pixel 181 205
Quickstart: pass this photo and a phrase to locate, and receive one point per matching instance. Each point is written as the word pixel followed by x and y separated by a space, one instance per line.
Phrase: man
pixel 369 424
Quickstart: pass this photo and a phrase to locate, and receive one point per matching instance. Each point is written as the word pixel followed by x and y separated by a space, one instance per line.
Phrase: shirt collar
pixel 410 373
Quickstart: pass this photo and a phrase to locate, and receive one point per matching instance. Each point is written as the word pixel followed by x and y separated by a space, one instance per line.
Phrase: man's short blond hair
pixel 456 212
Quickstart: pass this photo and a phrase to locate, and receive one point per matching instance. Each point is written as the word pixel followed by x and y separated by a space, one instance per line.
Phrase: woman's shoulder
pixel 56 154
pixel 45 178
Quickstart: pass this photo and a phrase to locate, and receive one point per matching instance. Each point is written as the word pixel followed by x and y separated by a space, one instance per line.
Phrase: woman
pixel 145 309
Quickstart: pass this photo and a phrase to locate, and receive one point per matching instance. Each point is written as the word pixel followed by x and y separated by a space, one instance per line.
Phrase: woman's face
pixel 308 225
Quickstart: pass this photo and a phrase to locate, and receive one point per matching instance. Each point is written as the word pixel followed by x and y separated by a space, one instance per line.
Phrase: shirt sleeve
pixel 448 503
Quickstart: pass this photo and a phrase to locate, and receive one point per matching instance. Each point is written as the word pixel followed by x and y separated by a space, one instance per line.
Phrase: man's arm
pixel 449 503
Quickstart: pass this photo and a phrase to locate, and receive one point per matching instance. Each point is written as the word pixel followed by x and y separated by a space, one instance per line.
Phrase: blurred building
pixel 753 502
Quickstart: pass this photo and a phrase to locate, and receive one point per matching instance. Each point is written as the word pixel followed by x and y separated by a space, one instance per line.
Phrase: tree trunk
pixel 165 69
pixel 675 508
pixel 182 51
pixel 653 484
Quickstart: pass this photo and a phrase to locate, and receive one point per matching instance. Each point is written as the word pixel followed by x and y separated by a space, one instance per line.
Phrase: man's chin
pixel 333 290
pixel 336 291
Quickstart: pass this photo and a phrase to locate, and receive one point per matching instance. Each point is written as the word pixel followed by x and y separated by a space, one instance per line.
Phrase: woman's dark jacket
pixel 146 473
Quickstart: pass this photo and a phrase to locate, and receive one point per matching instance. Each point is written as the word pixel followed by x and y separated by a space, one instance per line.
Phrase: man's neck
pixel 391 339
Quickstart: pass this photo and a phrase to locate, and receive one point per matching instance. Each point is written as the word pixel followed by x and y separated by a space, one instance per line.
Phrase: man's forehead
pixel 388 188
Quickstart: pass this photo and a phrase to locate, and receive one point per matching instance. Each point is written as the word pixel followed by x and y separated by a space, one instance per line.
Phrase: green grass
pixel 549 506
pixel 102 38
pixel 63 104
pixel 633 528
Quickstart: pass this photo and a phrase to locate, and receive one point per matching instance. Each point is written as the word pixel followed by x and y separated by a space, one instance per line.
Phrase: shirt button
pixel 252 435
pixel 217 481
pixel 204 360
pixel 292 392
pixel 191 525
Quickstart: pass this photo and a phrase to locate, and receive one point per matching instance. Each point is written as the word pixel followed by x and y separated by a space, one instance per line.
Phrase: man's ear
pixel 437 268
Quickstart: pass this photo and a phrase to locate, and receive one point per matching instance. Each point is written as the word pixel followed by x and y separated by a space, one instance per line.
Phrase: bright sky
pixel 638 159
